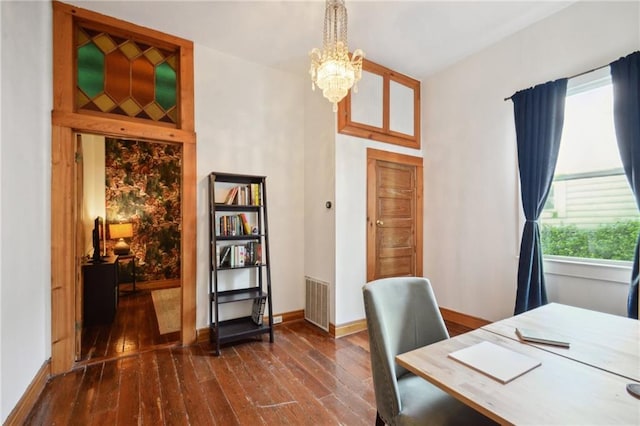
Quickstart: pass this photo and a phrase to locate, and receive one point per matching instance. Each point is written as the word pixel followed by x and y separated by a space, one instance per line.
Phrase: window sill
pixel 618 272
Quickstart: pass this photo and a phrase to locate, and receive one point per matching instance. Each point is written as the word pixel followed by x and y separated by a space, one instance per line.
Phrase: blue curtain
pixel 625 74
pixel 539 116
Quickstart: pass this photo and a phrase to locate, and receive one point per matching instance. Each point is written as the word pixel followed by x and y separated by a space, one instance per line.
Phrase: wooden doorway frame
pixel 374 155
pixel 65 122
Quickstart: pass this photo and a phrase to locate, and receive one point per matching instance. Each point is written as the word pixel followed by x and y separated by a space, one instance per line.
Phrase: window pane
pixel 401 106
pixel 116 75
pixel 366 105
pixel 590 211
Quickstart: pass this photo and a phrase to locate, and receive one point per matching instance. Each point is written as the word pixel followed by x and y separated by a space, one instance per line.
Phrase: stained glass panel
pixel 122 76
pixel 165 85
pixel 91 61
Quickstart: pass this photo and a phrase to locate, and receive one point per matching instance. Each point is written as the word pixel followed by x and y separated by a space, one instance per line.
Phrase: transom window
pixel 120 75
pixel 591 211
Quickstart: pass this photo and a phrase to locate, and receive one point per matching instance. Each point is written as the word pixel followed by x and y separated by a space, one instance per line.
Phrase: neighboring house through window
pixel 590 212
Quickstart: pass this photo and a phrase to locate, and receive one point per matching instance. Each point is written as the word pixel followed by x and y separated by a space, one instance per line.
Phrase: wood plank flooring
pixel 134 329
pixel 305 378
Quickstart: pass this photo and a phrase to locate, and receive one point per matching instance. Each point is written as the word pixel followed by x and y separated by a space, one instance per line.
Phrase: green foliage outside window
pixel 614 241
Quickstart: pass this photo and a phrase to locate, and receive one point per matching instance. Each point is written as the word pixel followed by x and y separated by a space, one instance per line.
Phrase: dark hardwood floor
pixel 305 378
pixel 134 329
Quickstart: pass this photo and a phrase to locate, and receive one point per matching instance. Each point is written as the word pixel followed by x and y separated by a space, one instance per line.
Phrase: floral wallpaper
pixel 143 187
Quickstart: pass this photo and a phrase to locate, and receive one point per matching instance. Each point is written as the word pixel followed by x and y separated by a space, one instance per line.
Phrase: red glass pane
pixel 117 85
pixel 142 76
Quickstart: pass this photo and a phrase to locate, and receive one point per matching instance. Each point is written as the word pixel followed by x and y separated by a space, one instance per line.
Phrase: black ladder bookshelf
pixel 239 273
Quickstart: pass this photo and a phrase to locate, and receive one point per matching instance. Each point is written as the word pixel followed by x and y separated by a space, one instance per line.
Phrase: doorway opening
pixel 73 114
pixel 132 188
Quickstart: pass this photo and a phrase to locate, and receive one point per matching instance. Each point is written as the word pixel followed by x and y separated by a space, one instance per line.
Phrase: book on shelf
pixel 245 223
pixel 225 256
pixel 257 311
pixel 233 256
pixel 543 337
pixel 227 226
pixel 255 194
pixel 254 253
pixel 247 195
pixel 240 256
pixel 232 225
pixel 231 195
pixel 240 195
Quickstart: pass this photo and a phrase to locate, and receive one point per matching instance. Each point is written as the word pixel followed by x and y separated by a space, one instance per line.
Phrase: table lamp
pixel 120 231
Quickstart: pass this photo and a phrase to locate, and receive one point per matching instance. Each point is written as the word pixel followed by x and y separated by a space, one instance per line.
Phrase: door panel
pixel 394 215
pixel 395 267
pixel 395 219
pixel 396 177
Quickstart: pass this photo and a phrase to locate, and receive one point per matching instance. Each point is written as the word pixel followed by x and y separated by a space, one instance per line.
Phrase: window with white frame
pixel 590 212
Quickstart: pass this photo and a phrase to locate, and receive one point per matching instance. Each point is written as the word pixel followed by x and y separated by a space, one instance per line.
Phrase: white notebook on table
pixel 495 361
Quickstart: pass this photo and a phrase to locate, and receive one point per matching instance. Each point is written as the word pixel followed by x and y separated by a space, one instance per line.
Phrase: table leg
pixel 134 275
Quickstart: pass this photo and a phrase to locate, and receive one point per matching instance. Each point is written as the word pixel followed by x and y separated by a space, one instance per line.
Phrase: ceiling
pixel 417 38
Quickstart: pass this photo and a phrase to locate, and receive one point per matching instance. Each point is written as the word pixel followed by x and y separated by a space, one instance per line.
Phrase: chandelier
pixel 332 70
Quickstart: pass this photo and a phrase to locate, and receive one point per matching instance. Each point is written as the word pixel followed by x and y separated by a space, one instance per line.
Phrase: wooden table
pixel 562 390
pixel 605 341
pixel 132 258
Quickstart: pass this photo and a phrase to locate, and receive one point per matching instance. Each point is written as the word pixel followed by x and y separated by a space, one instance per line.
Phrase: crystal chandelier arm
pixel 316 59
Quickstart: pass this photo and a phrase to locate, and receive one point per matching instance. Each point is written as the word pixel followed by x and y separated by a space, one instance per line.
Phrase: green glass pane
pixel 90 70
pixel 165 86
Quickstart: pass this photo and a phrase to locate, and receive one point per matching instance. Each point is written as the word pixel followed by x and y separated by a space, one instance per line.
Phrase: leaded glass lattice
pixel 121 76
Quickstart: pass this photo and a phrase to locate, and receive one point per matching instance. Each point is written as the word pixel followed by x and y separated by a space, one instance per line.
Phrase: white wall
pixel 250 120
pixel 351 220
pixel 319 188
pixel 94 189
pixel 472 230
pixel 25 185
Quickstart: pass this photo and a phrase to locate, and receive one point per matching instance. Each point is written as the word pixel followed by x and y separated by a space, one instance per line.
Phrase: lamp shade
pixel 120 230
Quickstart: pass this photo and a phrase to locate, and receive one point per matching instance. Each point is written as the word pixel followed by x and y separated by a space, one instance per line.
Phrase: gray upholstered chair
pixel 402 314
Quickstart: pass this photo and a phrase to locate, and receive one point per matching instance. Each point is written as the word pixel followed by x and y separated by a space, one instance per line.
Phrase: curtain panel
pixel 539 117
pixel 625 75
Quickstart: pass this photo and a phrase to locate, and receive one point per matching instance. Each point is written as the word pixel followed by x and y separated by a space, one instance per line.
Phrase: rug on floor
pixel 166 303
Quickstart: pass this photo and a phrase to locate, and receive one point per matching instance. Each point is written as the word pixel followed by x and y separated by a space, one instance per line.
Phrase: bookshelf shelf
pixel 236 208
pixel 239 237
pixel 239 252
pixel 239 328
pixel 232 268
pixel 239 295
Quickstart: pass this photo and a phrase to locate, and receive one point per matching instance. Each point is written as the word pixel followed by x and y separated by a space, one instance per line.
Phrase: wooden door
pixel 394 215
pixel 79 243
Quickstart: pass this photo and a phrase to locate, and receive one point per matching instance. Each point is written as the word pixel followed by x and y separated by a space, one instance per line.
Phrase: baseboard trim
pixel 447 314
pixel 348 328
pixel 291 316
pixel 361 325
pixel 19 414
pixel 202 335
pixel 463 319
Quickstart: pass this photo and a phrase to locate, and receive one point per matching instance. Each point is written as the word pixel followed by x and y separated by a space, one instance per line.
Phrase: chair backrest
pixel 402 315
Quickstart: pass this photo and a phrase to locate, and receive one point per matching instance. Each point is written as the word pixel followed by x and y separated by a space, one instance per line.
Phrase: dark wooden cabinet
pixel 100 291
pixel 239 273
